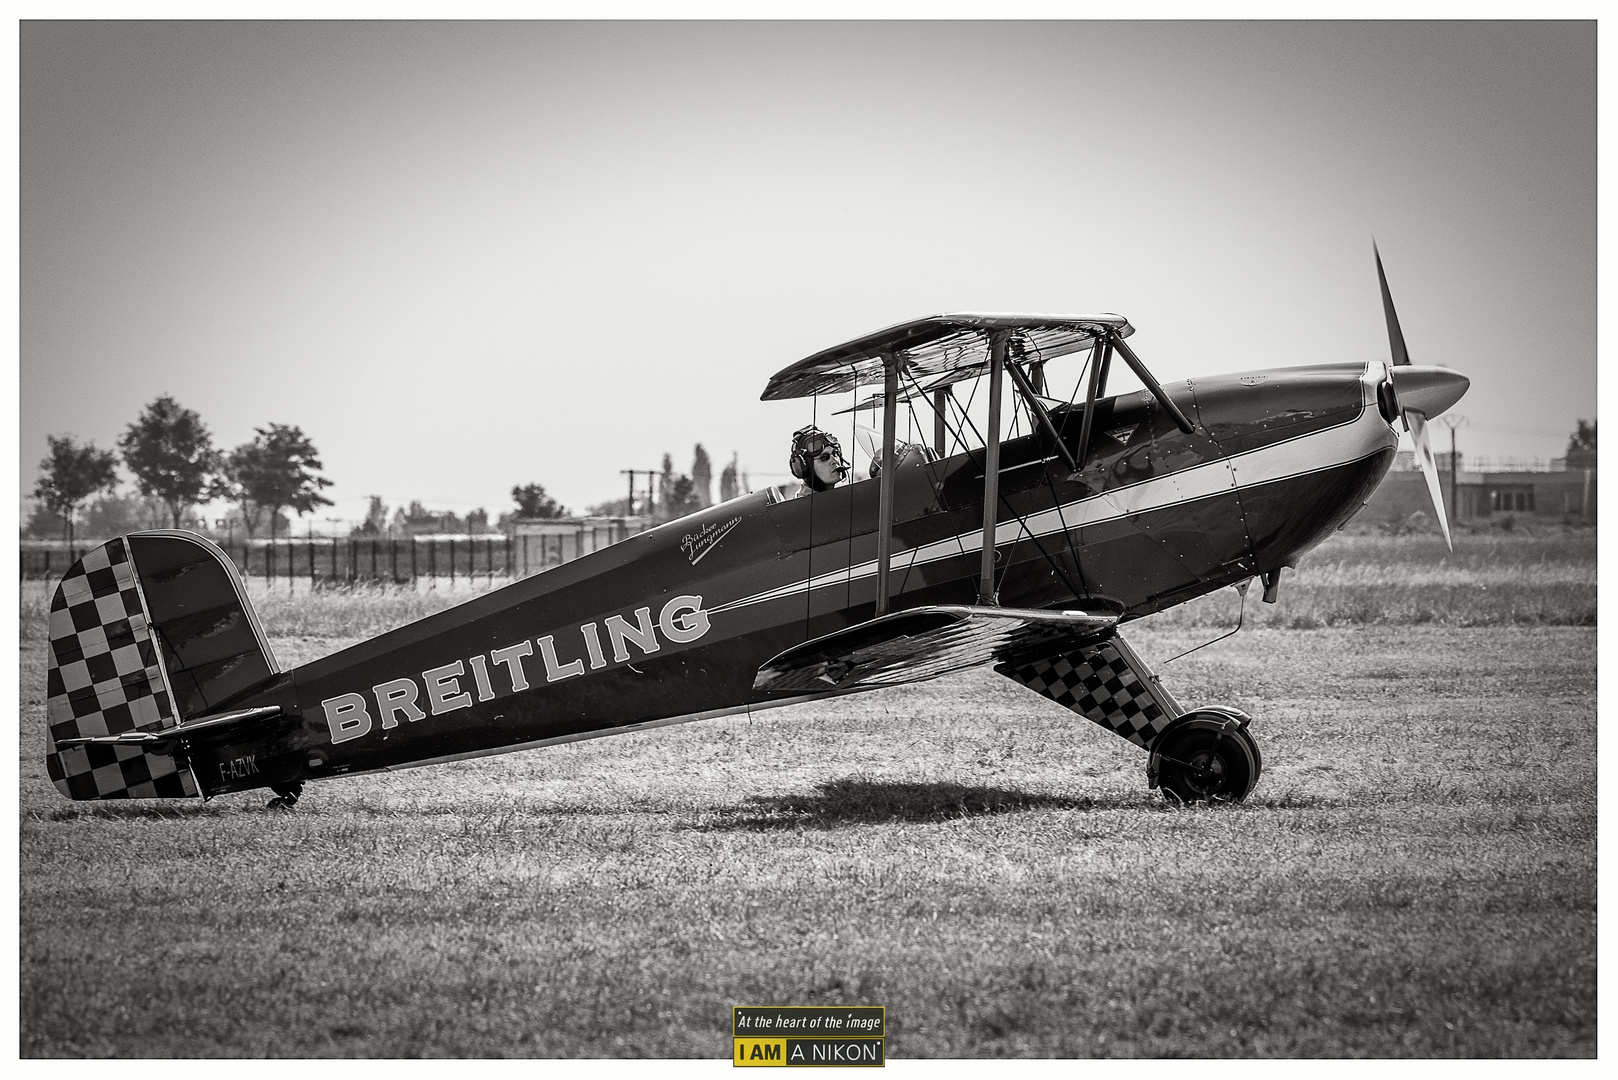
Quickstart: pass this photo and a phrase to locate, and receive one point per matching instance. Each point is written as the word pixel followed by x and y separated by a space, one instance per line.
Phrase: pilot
pixel 817 459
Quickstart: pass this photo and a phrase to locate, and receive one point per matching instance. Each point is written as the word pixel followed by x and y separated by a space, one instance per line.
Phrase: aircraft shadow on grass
pixel 836 803
pixel 833 804
pixel 133 811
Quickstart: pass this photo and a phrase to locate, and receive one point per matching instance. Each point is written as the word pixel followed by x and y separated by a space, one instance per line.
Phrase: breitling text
pixel 511 670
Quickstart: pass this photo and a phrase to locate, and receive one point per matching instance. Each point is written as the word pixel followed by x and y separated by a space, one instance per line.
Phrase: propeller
pixel 1421 393
pixel 871 442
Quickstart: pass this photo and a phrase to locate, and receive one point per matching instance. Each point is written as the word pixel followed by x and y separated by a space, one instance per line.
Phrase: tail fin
pixel 146 631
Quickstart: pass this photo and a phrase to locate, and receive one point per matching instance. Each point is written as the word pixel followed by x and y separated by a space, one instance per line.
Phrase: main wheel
pixel 1207 763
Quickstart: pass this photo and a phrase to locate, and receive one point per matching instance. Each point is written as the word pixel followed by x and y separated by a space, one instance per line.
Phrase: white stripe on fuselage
pixel 1299 456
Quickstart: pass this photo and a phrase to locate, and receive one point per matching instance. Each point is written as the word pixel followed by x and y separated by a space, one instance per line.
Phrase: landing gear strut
pixel 286 796
pixel 1206 756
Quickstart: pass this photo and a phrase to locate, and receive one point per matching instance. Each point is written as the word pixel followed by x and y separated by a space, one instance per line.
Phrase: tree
pixel 72 473
pixel 729 485
pixel 609 509
pixel 701 477
pixel 665 489
pixel 42 524
pixel 279 468
pixel 677 494
pixel 249 515
pixel 112 515
pixel 417 520
pixel 172 456
pixel 683 498
pixel 477 521
pixel 532 502
pixel 1584 438
pixel 376 518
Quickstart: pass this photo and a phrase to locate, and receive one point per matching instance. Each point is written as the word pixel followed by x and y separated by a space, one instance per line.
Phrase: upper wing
pixel 876 400
pixel 938 350
pixel 921 643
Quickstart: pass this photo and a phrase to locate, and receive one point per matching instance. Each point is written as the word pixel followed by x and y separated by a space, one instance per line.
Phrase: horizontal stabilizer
pixel 921 643
pixel 221 726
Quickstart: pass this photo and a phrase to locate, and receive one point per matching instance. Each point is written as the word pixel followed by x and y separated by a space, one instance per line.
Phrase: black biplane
pixel 1028 553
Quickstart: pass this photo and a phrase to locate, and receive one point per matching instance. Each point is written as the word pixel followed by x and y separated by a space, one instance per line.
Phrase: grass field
pixel 1414 876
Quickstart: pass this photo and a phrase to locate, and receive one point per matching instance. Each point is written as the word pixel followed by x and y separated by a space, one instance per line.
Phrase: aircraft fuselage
pixel 674 623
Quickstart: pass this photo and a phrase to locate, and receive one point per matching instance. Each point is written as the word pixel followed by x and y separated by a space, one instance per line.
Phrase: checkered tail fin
pixel 146 631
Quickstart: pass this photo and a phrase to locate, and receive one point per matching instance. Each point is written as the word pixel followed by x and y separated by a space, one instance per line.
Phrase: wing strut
pixel 1151 382
pixel 1037 407
pixel 891 363
pixel 938 351
pixel 1099 360
pixel 991 466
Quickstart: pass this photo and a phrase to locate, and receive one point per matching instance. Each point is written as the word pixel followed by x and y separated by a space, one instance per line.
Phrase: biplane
pixel 1030 552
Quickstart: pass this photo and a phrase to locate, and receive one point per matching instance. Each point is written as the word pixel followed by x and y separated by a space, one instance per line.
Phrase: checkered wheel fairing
pixel 104 678
pixel 1105 682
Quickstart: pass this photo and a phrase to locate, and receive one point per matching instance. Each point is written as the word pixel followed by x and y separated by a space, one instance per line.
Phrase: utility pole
pixel 629 510
pixel 1452 422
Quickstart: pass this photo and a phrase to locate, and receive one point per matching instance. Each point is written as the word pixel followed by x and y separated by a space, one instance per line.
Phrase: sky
pixel 463 257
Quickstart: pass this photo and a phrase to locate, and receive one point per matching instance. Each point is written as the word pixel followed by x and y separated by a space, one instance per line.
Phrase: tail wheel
pixel 286 796
pixel 1207 760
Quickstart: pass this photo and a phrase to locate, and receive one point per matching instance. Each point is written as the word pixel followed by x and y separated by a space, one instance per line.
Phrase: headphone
pixel 807 443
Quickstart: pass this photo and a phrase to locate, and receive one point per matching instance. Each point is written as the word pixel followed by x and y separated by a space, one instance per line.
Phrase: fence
pixel 342 560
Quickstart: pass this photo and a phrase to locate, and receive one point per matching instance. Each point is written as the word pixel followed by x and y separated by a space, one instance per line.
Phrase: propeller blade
pixel 868 440
pixel 1430 390
pixel 1396 337
pixel 871 442
pixel 1417 425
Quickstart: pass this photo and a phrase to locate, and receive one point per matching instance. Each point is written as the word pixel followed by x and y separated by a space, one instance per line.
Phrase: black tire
pixel 1202 764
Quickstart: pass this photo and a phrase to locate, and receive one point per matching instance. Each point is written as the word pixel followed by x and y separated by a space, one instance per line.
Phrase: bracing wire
pixel 848 550
pixel 809 575
pixel 910 409
pixel 934 468
pixel 957 434
pixel 1057 502
pixel 1026 531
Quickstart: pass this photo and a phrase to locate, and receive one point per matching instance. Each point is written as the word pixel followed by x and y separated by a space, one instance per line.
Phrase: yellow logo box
pixel 761 1052
pixel 809 1035
pixel 809 1053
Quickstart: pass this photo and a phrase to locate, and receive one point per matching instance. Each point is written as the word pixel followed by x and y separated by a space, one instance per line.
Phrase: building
pixel 541 543
pixel 1563 489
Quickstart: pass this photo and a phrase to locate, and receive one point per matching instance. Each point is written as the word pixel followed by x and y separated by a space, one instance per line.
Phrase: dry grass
pixel 1415 876
pixel 1491 579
